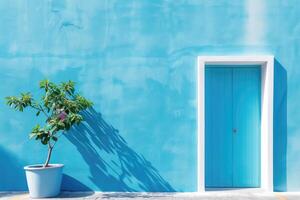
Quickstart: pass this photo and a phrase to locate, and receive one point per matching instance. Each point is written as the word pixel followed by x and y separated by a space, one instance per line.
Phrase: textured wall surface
pixel 137 61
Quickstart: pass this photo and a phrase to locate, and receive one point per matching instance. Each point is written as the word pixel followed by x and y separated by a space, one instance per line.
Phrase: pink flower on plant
pixel 62 115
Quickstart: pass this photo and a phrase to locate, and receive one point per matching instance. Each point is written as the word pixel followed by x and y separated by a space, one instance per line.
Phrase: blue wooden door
pixel 218 127
pixel 232 126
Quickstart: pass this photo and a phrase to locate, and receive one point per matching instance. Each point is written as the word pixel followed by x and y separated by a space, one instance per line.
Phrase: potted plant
pixel 61 108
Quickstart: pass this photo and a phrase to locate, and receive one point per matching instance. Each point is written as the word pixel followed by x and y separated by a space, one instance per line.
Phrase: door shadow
pixel 280 128
pixel 98 142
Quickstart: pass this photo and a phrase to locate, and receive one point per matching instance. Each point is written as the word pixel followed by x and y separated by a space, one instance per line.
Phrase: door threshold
pixel 239 190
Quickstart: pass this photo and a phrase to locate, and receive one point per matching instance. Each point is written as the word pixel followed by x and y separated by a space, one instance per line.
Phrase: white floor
pixel 245 194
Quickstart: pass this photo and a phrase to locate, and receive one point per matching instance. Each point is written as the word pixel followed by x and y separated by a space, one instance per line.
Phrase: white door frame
pixel 267 87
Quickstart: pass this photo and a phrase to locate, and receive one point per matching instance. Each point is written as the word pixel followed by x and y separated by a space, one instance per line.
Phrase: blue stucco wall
pixel 136 60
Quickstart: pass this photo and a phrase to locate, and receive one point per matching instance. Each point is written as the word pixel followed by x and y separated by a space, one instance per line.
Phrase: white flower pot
pixel 44 182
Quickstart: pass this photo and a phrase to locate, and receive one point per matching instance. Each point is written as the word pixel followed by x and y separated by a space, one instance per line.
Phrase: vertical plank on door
pixel 218 127
pixel 246 120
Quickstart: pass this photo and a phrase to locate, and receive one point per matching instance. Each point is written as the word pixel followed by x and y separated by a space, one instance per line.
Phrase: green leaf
pixel 31 135
pixel 19 103
pixel 82 102
pixel 38 113
pixel 54 138
pixel 26 99
pixel 44 141
pixel 44 84
pixel 68 87
pixel 36 128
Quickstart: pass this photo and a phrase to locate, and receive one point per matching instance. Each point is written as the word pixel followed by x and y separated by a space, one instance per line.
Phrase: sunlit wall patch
pixel 255 23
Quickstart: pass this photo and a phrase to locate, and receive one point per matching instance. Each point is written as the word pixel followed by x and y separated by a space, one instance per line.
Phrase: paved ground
pixel 231 195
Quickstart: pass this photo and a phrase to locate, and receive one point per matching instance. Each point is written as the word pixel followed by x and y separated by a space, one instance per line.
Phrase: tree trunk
pixel 48 156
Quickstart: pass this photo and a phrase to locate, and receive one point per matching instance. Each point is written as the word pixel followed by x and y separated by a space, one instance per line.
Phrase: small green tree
pixel 61 106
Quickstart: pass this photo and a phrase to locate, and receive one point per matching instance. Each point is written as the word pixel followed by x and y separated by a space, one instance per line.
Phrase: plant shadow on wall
pixel 280 127
pixel 114 166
